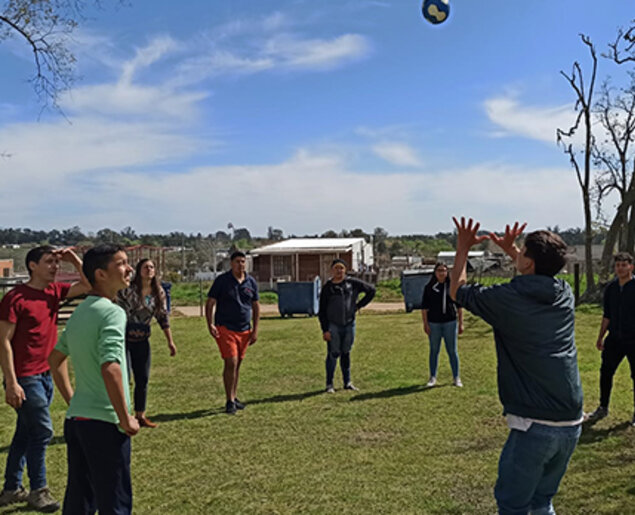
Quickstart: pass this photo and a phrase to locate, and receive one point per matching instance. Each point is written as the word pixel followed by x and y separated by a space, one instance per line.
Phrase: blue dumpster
pixel 412 284
pixel 166 288
pixel 299 297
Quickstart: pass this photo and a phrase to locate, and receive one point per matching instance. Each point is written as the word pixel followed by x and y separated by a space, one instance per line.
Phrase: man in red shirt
pixel 28 333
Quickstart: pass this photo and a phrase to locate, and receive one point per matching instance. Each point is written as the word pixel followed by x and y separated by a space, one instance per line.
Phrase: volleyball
pixel 436 11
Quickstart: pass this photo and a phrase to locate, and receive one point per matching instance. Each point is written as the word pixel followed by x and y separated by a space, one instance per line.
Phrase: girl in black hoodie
pixel 442 318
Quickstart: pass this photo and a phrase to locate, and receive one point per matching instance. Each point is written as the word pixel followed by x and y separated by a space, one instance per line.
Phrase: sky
pixel 303 115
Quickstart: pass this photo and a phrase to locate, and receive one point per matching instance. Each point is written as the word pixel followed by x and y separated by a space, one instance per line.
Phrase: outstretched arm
pixel 508 241
pixel 466 238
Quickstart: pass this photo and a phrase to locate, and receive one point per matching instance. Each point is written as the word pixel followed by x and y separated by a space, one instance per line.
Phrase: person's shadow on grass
pixel 202 413
pixel 592 435
pixel 395 392
pixel 56 440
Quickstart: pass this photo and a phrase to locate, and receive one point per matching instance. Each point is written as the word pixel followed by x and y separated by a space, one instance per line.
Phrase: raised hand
pixel 508 241
pixel 467 233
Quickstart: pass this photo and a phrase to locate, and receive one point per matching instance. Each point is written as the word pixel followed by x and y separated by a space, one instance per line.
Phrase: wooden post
pixel 200 296
pixel 576 282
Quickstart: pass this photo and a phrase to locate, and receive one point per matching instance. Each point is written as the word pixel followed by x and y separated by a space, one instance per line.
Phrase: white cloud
pixel 397 153
pixel 539 123
pixel 145 56
pixel 307 193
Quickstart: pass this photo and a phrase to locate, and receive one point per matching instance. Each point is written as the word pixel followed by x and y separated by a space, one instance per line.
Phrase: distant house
pixel 302 259
pixel 480 260
pixel 6 267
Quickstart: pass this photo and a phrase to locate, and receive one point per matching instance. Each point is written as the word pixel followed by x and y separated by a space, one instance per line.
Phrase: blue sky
pixel 303 115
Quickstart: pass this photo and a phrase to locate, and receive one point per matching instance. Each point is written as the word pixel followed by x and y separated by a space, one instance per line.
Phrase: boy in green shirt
pixel 98 423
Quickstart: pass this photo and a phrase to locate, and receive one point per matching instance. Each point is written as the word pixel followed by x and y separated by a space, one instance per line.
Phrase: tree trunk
pixel 588 243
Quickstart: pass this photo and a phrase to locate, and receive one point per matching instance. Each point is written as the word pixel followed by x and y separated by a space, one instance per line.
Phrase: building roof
pixel 451 253
pixel 309 245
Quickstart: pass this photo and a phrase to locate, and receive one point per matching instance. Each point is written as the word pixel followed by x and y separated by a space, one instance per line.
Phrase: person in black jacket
pixel 619 320
pixel 338 304
pixel 440 313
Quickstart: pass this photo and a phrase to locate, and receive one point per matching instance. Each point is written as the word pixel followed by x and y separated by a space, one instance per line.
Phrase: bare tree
pixel 622 50
pixel 45 26
pixel 615 157
pixel 583 121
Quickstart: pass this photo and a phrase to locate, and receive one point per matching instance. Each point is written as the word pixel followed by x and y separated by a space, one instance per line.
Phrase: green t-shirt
pixel 94 335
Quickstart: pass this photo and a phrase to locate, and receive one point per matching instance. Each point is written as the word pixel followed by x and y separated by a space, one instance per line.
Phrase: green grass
pixel 393 447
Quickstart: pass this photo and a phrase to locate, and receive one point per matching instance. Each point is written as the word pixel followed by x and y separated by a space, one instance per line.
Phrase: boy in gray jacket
pixel 538 379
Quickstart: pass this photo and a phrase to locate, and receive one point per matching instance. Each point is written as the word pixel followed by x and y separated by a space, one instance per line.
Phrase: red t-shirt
pixel 34 313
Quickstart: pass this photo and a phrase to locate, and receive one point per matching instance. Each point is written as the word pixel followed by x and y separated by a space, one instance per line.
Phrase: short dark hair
pixel 548 252
pixel 98 258
pixel 339 261
pixel 623 256
pixel 35 254
pixel 237 253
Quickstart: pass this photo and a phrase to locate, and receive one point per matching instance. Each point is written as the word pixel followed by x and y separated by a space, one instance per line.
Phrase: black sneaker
pixel 239 405
pixel 230 407
pixel 351 386
pixel 598 414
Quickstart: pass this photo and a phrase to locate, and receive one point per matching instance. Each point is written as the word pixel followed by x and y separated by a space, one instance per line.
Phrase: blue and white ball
pixel 436 11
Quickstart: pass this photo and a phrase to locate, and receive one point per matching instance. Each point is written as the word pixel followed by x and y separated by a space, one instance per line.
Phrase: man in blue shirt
pixel 539 386
pixel 231 304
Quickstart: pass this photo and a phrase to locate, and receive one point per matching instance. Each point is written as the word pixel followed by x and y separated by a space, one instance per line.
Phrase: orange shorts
pixel 232 343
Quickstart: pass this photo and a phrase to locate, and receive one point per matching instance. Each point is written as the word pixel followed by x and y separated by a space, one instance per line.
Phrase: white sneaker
pixel 330 389
pixel 457 382
pixel 431 382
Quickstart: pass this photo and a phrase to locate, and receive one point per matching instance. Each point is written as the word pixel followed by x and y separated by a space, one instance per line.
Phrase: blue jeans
pixel 33 432
pixel 448 331
pixel 98 456
pixel 531 467
pixel 340 346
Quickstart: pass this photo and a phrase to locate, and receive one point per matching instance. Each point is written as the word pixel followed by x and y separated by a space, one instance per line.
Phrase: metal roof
pixel 309 245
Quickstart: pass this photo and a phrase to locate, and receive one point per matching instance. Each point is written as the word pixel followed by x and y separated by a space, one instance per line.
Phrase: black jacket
pixel 436 299
pixel 338 302
pixel 619 308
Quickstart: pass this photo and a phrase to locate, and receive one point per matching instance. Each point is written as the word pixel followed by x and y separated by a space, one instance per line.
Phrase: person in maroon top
pixel 28 333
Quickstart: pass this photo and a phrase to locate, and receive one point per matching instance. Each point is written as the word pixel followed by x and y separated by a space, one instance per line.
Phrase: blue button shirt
pixel 233 301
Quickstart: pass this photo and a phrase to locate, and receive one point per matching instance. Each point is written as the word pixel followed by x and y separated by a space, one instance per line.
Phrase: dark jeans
pixel 340 346
pixel 98 455
pixel 614 352
pixel 33 432
pixel 531 467
pixel 139 358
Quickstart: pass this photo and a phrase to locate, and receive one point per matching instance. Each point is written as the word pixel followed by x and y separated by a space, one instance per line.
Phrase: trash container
pixel 412 284
pixel 299 297
pixel 166 288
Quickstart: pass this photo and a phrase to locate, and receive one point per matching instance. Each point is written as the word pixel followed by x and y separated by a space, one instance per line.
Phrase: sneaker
pixel 431 382
pixel 239 405
pixel 458 383
pixel 598 414
pixel 8 497
pixel 633 421
pixel 41 500
pixel 351 386
pixel 330 389
pixel 230 407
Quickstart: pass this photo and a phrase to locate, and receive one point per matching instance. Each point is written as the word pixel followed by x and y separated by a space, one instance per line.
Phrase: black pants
pixel 139 362
pixel 98 469
pixel 614 352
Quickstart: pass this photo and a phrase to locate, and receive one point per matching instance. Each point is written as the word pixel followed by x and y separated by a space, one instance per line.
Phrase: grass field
pixel 393 447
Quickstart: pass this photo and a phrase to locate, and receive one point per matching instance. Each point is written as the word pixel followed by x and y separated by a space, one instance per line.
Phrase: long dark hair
pixel 136 282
